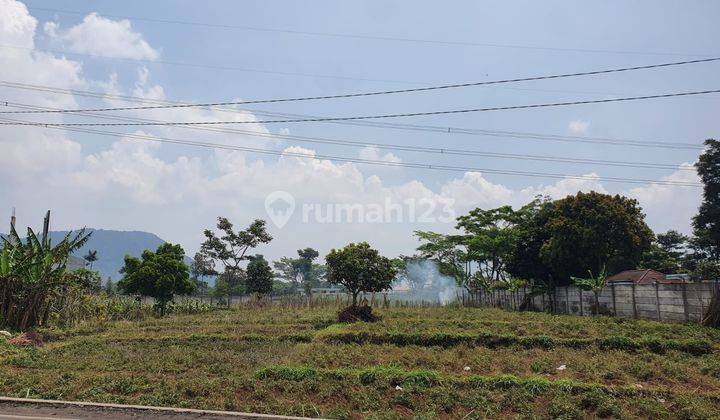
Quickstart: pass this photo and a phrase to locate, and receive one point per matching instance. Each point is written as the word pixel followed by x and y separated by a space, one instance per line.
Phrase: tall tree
pixel 359 268
pixel 525 261
pixel 451 254
pixel 230 247
pixel 490 236
pixel 259 276
pixel 592 231
pixel 161 274
pixel 706 225
pixel 201 267
pixel 304 265
pixel 286 268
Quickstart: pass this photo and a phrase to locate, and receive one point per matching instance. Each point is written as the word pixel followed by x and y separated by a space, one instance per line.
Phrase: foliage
pixel 706 224
pixel 161 274
pixel 259 276
pixel 490 236
pixel 359 268
pixel 201 267
pixel 594 284
pixel 451 255
pixel 87 279
pixel 230 249
pixel 301 271
pixel 593 231
pixel 90 257
pixel 33 276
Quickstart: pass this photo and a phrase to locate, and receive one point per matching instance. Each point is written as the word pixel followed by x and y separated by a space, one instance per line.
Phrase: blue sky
pixel 529 38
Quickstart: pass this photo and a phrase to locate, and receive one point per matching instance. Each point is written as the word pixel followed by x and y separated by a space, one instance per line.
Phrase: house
pixel 638 277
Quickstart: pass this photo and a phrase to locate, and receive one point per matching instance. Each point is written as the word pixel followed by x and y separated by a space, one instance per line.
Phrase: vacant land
pixel 424 362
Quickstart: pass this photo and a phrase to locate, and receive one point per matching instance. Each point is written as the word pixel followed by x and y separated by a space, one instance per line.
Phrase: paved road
pixel 46 410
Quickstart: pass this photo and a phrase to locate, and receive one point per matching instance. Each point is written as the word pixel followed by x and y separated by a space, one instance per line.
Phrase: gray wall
pixel 684 302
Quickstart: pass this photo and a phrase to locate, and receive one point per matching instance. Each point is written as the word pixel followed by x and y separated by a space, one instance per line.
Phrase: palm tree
pixel 595 284
pixel 91 257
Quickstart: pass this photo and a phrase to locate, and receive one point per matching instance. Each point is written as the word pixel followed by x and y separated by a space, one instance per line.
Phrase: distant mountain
pixel 112 246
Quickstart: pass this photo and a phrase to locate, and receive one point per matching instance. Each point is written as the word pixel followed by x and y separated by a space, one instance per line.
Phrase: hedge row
pixel 392 376
pixel 617 342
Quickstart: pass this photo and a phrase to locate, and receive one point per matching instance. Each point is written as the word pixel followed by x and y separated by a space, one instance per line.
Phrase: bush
pixel 356 313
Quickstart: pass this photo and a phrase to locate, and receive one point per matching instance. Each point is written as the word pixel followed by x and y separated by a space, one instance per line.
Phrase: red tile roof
pixel 638 276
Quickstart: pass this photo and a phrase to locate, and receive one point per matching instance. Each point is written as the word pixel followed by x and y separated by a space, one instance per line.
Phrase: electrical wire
pixel 377 124
pixel 382 92
pixel 398 147
pixel 364 36
pixel 373 161
pixel 380 116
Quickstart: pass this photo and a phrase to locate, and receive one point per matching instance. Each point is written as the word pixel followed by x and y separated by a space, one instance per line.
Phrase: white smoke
pixel 422 281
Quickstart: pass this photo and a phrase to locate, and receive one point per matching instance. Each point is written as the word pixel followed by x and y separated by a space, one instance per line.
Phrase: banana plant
pixel 595 284
pixel 32 273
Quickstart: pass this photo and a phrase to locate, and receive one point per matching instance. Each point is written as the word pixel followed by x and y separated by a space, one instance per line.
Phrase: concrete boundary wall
pixel 680 302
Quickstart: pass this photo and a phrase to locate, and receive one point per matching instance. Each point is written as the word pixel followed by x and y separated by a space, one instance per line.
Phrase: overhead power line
pixel 380 92
pixel 399 147
pixel 365 36
pixel 378 116
pixel 374 161
pixel 376 124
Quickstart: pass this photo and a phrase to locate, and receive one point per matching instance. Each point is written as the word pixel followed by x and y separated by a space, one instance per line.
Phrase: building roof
pixel 638 277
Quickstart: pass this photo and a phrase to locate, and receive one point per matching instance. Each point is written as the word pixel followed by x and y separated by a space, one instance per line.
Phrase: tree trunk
pixel 712 316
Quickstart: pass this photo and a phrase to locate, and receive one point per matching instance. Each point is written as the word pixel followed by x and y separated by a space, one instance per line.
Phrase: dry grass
pixel 275 360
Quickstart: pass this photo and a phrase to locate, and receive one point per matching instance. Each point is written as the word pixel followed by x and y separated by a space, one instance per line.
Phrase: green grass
pixel 410 364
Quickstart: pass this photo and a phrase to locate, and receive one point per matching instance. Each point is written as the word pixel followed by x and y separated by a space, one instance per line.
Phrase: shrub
pixel 357 313
pixel 286 373
pixel 619 342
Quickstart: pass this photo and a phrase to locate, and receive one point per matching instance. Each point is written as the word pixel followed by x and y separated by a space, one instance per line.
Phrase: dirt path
pixel 30 409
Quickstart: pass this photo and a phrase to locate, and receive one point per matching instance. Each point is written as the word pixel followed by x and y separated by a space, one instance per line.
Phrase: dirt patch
pixel 27 339
pixel 357 313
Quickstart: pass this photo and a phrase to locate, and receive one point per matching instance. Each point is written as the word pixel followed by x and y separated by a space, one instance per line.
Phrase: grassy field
pixel 424 362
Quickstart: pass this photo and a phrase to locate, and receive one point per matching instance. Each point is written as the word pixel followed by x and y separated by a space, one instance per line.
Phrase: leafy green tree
pixel 525 261
pixel 450 253
pixel 304 267
pixel 593 231
pixel 359 268
pixel 706 225
pixel 490 237
pixel 286 268
pixel 161 274
pixel 594 284
pixel 201 267
pixel 230 247
pixel 87 279
pixel 109 288
pixel 90 258
pixel 259 276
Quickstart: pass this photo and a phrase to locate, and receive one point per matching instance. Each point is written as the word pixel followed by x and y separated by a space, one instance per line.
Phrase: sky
pixel 232 51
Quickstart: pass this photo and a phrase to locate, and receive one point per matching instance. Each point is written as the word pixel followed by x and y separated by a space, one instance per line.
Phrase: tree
pixel 359 268
pixel 230 248
pixel 450 253
pixel 201 266
pixel 109 288
pixel 287 269
pixel 87 279
pixel 161 274
pixel 593 231
pixel 304 267
pixel 595 284
pixel 706 225
pixel 490 236
pixel 259 276
pixel 525 261
pixel 90 258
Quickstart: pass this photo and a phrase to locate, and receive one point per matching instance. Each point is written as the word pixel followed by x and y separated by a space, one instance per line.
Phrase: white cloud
pixel 97 35
pixel 177 192
pixel 578 127
pixel 373 153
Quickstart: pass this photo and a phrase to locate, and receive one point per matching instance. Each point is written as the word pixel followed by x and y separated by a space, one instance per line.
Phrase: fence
pixel 674 302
